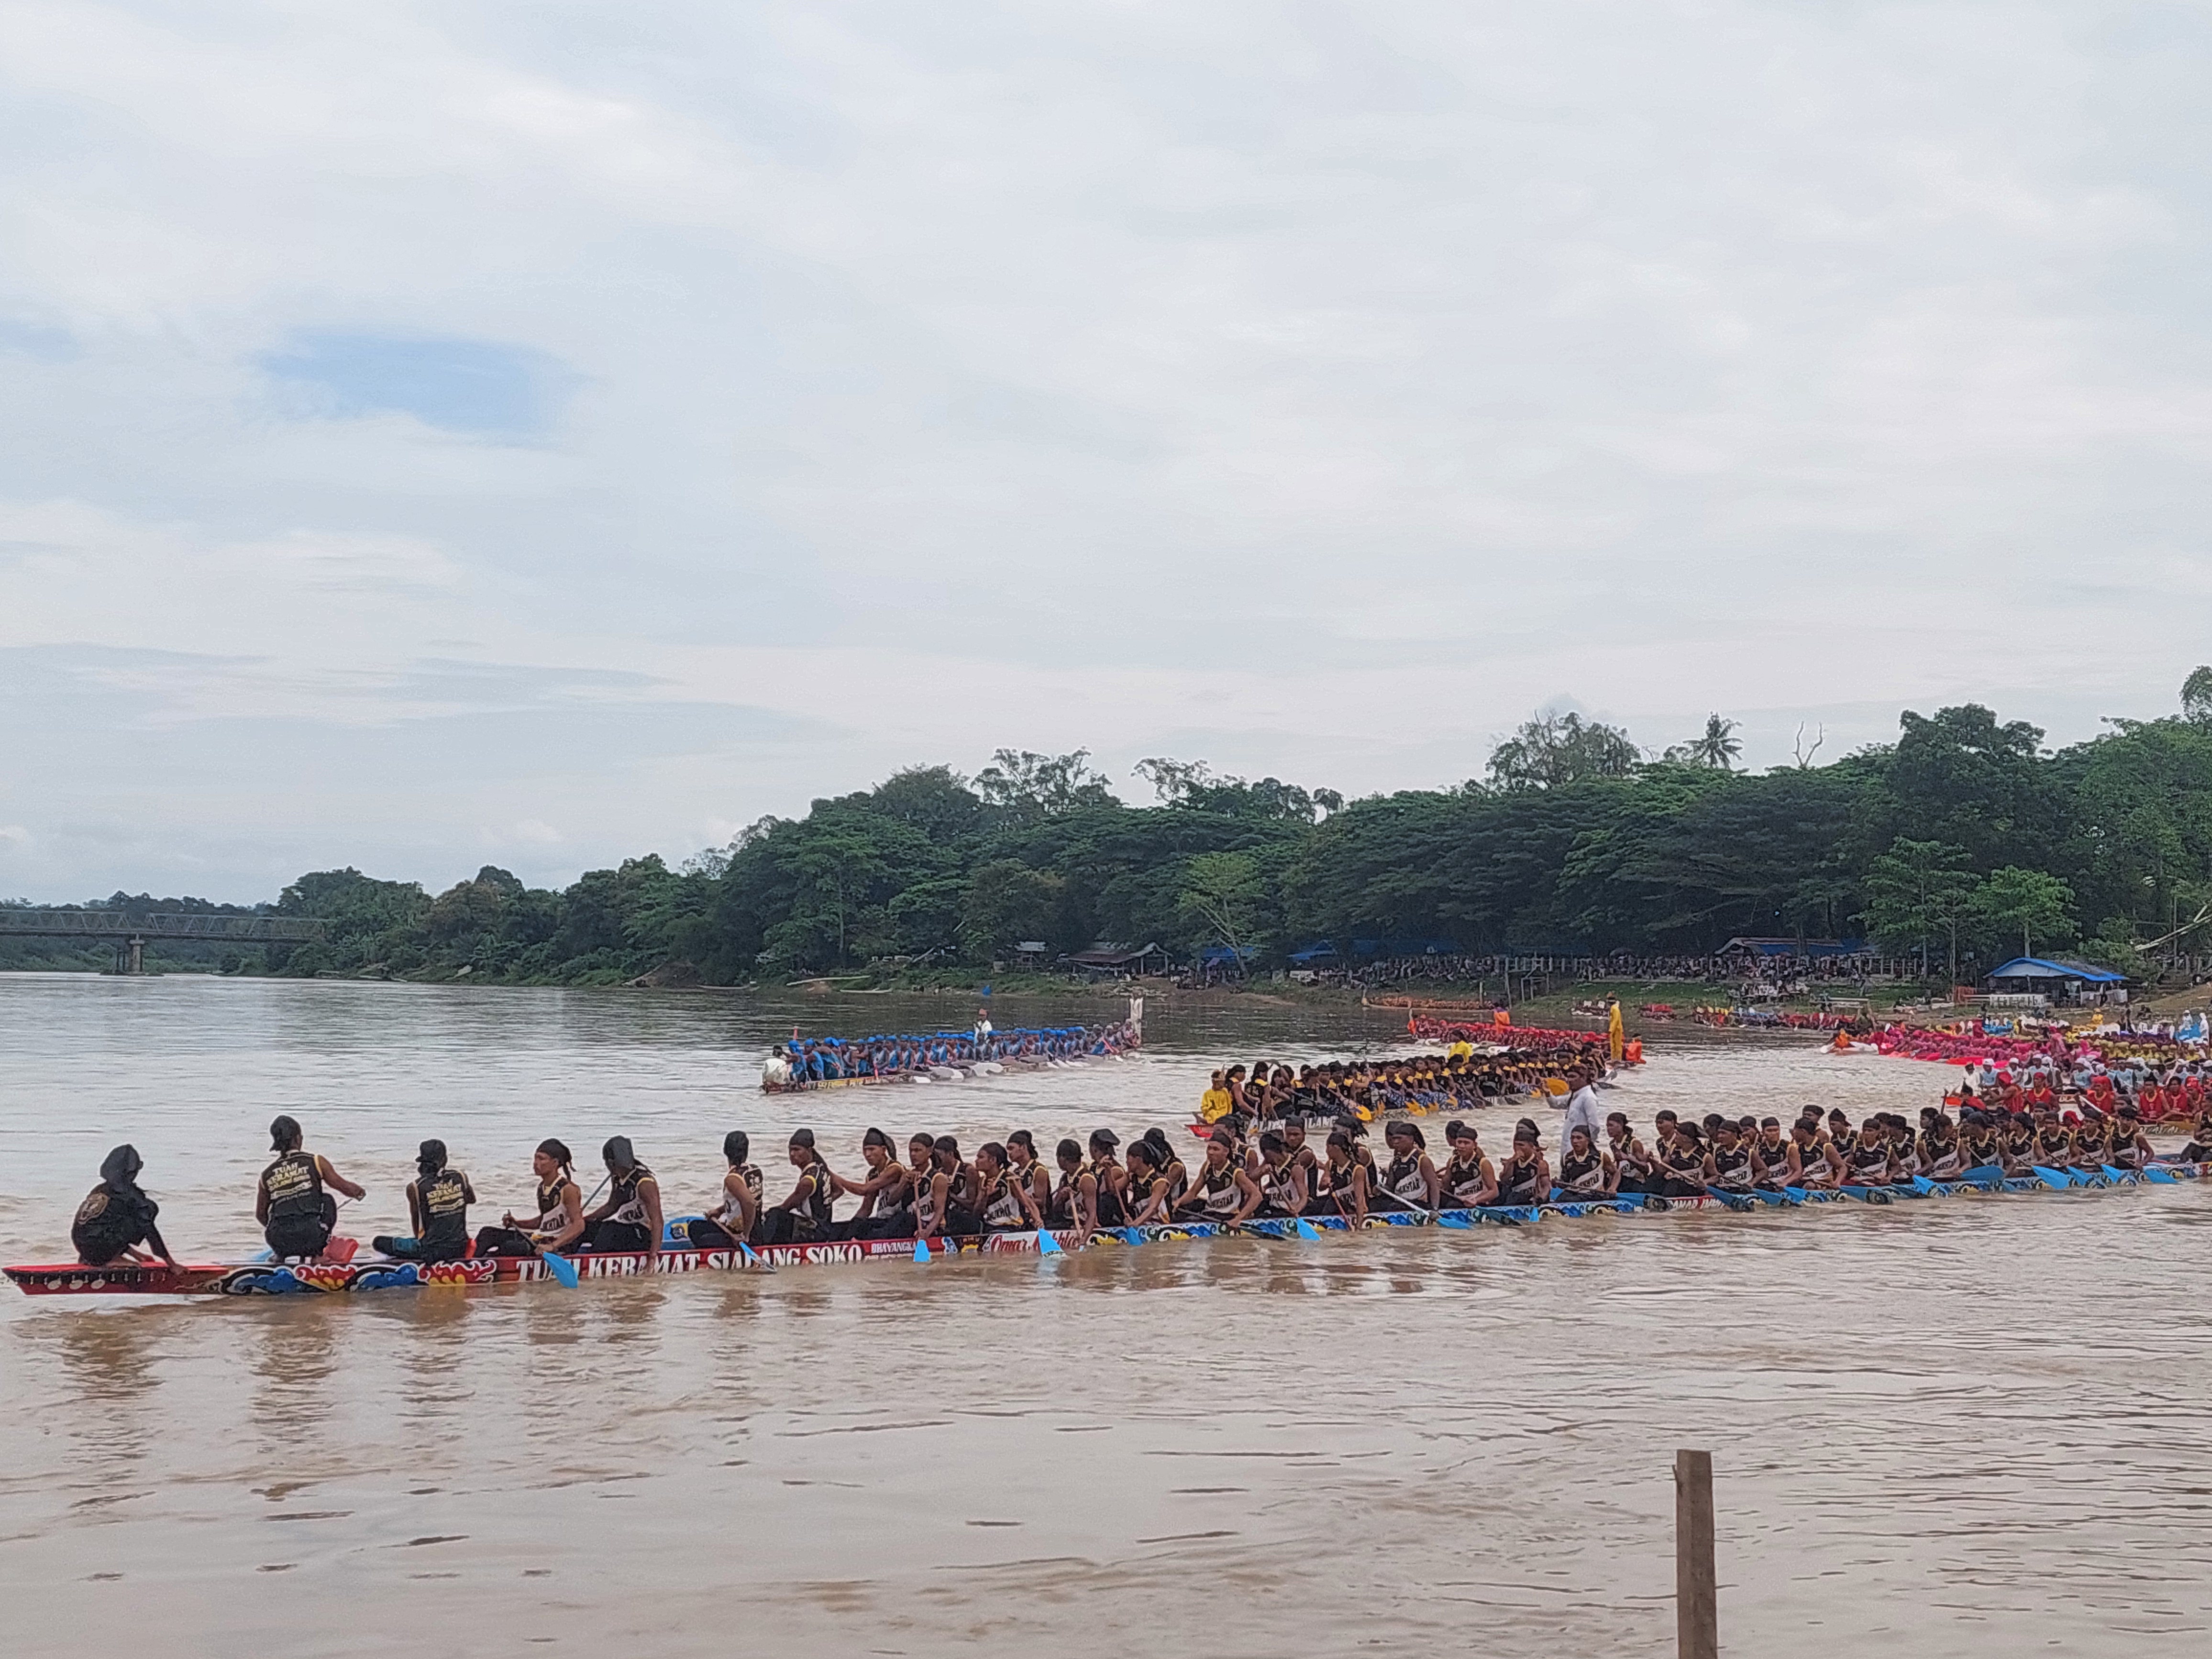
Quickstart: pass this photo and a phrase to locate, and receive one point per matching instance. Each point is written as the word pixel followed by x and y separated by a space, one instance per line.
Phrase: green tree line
pixel 1964 840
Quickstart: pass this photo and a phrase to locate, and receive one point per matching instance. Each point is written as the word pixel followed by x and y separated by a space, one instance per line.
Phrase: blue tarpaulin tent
pixel 2026 969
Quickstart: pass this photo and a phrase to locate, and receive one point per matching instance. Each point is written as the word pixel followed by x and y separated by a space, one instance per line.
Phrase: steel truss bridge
pixel 129 934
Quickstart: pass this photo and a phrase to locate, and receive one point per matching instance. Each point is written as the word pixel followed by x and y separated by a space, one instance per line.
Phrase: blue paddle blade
pixel 1923 1185
pixel 561 1269
pixel 2114 1173
pixel 1047 1244
pixel 2164 1178
pixel 2058 1180
pixel 1458 1219
pixel 1307 1229
pixel 746 1250
pixel 921 1249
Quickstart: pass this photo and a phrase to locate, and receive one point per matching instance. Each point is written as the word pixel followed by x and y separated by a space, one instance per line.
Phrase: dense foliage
pixel 1965 839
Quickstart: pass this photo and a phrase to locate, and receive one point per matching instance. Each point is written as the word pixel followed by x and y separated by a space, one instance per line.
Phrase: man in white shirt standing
pixel 1582 1108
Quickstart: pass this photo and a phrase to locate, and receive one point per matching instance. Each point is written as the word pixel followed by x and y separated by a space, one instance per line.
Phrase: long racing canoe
pixel 272 1279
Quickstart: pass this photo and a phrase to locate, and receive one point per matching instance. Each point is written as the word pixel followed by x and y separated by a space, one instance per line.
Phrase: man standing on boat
pixel 1582 1110
pixel 296 1212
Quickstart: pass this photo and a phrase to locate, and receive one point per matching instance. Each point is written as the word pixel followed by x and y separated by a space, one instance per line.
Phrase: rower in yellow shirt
pixel 1216 1102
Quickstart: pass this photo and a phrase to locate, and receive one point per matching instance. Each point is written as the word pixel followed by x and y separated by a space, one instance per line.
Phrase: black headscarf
pixel 118 1171
pixel 617 1153
pixel 430 1158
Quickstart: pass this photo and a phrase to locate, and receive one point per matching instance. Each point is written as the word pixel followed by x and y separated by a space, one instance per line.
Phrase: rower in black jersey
pixel 1682 1164
pixel 1025 1170
pixel 1818 1164
pixel 1632 1164
pixel 804 1217
pixel 2017 1135
pixel 1344 1189
pixel 1731 1160
pixel 1170 1168
pixel 1075 1198
pixel 1980 1145
pixel 297 1213
pixel 1470 1182
pixel 1113 1179
pixel 1281 1180
pixel 732 1220
pixel 118 1216
pixel 1221 1190
pixel 2126 1147
pixel 1870 1162
pixel 963 1217
pixel 1772 1166
pixel 1411 1181
pixel 1299 1149
pixel 1002 1199
pixel 2054 1141
pixel 631 1219
pixel 886 1192
pixel 1524 1178
pixel 437 1200
pixel 559 1221
pixel 1942 1156
pixel 1147 1195
pixel 1586 1171
pixel 2091 1143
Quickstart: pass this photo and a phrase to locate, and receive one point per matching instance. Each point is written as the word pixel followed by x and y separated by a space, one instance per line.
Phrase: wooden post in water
pixel 1697 1591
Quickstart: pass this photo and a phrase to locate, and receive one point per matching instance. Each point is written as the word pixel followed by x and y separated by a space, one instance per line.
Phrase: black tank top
pixel 1405 1170
pixel 1585 1174
pixel 821 1196
pixel 1463 1181
pixel 1516 1181
pixel 443 1200
pixel 549 1200
pixel 295 1186
pixel 1110 1213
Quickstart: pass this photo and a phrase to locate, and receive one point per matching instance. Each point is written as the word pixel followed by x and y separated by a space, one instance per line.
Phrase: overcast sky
pixel 537 434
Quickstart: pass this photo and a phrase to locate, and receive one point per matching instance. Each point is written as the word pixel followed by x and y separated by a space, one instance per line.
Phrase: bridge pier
pixel 135 955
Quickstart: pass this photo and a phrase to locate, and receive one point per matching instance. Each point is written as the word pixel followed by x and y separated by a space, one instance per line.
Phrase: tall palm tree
pixel 1718 748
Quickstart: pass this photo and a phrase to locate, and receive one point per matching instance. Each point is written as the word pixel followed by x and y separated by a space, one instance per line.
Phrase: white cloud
pixel 1320 390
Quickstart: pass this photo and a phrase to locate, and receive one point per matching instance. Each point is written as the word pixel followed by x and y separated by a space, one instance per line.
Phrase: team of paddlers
pixel 938 1193
pixel 1459 1079
pixel 805 1062
pixel 2161 1079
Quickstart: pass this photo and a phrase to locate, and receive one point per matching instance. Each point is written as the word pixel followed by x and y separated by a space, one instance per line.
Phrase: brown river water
pixel 1967 1427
